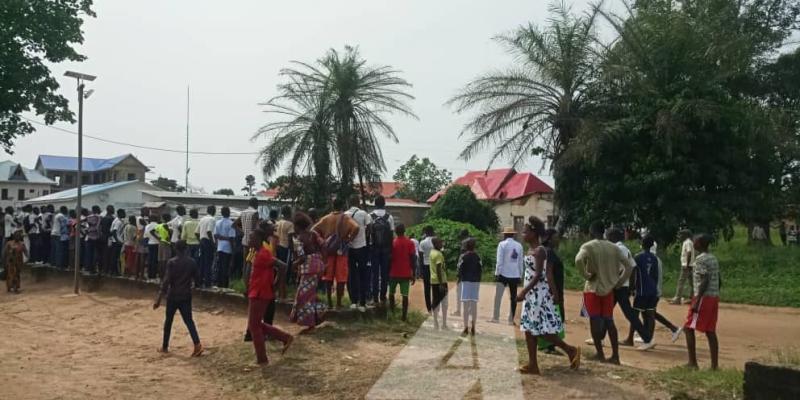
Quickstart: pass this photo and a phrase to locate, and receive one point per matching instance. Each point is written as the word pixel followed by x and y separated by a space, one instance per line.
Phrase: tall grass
pixel 751 274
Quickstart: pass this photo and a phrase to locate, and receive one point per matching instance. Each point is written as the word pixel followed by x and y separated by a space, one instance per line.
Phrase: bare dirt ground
pixel 103 346
pixel 745 332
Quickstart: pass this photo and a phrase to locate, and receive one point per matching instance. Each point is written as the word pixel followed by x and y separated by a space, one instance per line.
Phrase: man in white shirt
pixel 358 284
pixel 55 239
pixel 152 245
pixel 687 266
pixel 205 232
pixel 176 224
pixel 424 273
pixel 381 236
pixel 115 238
pixel 508 272
pixel 622 294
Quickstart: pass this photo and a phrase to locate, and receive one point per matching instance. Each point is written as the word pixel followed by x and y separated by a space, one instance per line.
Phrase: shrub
pixel 460 204
pixel 448 231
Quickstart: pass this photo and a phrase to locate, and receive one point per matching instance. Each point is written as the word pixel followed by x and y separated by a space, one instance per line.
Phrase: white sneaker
pixel 589 341
pixel 677 334
pixel 637 338
pixel 647 346
pixel 362 309
pixel 353 306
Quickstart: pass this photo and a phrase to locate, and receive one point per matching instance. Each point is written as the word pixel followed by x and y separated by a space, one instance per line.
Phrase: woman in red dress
pixel 260 294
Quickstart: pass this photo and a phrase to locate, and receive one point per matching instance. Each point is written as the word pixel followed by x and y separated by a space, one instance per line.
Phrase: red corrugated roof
pixel 500 184
pixel 389 189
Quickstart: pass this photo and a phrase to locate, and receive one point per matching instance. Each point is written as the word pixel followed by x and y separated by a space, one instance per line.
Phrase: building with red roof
pixel 514 195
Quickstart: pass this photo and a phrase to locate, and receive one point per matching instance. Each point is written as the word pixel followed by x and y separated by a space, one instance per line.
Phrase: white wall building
pixel 18 184
pixel 125 195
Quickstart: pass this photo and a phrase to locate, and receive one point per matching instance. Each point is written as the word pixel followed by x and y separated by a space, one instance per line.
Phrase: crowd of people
pixel 368 256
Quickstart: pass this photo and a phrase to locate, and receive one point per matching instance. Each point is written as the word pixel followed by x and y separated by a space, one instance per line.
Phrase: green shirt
pixel 604 266
pixel 188 232
pixel 706 265
pixel 437 263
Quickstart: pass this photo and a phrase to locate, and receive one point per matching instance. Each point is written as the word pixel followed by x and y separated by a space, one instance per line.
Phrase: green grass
pixel 751 274
pixel 788 357
pixel 683 383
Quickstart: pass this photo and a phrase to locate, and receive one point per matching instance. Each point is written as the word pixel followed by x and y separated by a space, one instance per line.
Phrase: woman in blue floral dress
pixel 539 315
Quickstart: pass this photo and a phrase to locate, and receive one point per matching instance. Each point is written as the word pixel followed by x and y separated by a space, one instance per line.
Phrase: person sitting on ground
pixel 539 315
pixel 469 277
pixel 260 293
pixel 438 283
pixel 704 308
pixel 181 273
pixel 401 270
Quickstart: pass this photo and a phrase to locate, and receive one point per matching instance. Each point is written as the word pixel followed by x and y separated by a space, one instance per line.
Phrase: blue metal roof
pixel 87 189
pixel 7 168
pixel 65 163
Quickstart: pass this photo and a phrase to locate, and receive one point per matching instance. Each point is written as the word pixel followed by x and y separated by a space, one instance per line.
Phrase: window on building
pixel 31 190
pixel 68 179
pixel 45 192
pixel 519 224
pixel 131 177
pixel 85 179
pixel 20 194
pixel 4 194
pixel 115 176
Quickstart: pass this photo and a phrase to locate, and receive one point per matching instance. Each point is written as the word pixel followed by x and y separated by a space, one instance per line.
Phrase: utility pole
pixel 187 139
pixel 81 78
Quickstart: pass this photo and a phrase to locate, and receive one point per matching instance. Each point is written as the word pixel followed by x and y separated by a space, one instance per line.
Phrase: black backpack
pixel 381 231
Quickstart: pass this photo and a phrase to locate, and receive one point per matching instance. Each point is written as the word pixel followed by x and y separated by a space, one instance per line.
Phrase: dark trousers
pixel 358 275
pixel 54 254
pixel 285 255
pixel 93 252
pixel 185 308
pixel 379 274
pixel 33 238
pixel 426 285
pixel 113 258
pixel 258 329
pixel 206 261
pixel 194 253
pixel 45 241
pixel 152 261
pixel 62 253
pixel 223 269
pixel 622 296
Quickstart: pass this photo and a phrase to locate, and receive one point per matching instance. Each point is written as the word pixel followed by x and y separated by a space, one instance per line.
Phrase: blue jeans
pixel 358 277
pixel 379 273
pixel 194 252
pixel 206 262
pixel 185 308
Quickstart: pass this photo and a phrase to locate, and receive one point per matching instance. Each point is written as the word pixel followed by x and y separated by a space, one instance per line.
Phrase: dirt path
pixel 103 346
pixel 745 332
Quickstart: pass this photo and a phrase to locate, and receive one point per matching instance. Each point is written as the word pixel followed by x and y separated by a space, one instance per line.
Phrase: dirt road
pixel 745 332
pixel 103 346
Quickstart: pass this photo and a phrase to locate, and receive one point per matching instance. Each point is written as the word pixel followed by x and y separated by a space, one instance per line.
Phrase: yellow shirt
pixel 437 263
pixel 251 254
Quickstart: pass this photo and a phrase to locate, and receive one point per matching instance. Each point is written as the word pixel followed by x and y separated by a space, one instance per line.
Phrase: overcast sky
pixel 146 52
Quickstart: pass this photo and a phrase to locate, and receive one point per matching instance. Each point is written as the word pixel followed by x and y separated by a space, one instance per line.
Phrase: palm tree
pixel 250 182
pixel 336 108
pixel 535 107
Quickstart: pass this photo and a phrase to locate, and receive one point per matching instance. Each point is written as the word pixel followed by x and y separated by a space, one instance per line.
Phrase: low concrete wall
pixel 129 287
pixel 770 382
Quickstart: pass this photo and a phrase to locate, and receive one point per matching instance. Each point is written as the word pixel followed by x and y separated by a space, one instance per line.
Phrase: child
pixel 129 237
pixel 401 270
pixel 438 283
pixel 469 274
pixel 646 285
pixel 705 303
pixel 13 256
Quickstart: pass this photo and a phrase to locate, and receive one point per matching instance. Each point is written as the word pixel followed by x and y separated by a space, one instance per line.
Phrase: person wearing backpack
pixel 337 229
pixel 381 237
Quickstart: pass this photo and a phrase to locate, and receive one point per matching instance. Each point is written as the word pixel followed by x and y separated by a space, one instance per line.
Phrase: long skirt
pixel 308 311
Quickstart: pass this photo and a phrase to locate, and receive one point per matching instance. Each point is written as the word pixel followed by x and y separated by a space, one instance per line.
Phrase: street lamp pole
pixel 78 207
